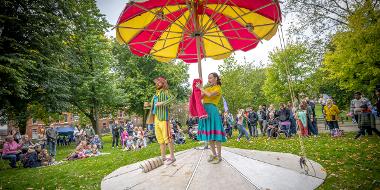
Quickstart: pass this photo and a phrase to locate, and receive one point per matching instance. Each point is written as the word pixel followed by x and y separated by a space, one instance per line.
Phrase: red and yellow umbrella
pixel 195 29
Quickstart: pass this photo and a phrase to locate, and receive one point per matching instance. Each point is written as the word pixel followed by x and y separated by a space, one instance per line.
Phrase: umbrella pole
pixel 198 43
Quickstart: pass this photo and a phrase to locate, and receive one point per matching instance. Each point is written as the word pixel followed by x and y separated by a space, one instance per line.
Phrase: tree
pixel 241 84
pixel 322 17
pixel 137 74
pixel 352 60
pixel 33 51
pixel 291 68
pixel 93 86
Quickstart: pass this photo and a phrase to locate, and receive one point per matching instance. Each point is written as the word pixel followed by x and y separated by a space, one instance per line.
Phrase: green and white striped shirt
pixel 162 112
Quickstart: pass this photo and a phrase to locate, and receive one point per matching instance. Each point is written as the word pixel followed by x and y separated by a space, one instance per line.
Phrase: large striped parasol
pixel 195 29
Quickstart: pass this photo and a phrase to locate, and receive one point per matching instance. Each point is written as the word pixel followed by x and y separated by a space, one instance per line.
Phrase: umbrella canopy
pixel 194 29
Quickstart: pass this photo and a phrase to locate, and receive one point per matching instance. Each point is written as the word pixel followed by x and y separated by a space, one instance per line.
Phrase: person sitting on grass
pixel 26 143
pixel 44 157
pixel 96 141
pixel 142 139
pixel 130 145
pixel 30 158
pixel 11 151
pixel 95 151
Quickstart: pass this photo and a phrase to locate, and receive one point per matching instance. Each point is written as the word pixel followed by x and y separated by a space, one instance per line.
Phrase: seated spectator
pixel 30 158
pixel 142 139
pixel 95 151
pixel 44 157
pixel 130 145
pixel 26 143
pixel 11 151
pixel 96 141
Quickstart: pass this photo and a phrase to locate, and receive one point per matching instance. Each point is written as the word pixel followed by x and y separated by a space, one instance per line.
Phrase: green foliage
pixel 352 60
pixel 292 68
pixel 137 74
pixel 241 85
pixel 33 54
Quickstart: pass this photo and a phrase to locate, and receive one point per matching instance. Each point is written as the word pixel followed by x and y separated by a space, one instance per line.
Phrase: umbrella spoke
pixel 232 38
pixel 155 51
pixel 216 43
pixel 253 11
pixel 159 16
pixel 142 42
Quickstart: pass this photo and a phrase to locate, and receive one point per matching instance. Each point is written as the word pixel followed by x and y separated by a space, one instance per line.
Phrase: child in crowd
pixel 129 144
pixel 302 120
pixel 142 139
pixel 96 141
pixel 124 137
pixel 44 157
pixel 95 151
pixel 30 159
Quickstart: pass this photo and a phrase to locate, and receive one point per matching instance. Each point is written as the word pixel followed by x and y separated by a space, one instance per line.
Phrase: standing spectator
pixel 51 136
pixel 241 124
pixel 323 102
pixel 252 122
pixel 366 122
pixel 301 120
pixel 115 134
pixel 311 105
pixel 124 137
pixel 293 125
pixel 331 112
pixel 357 103
pixel 11 151
pixel 378 102
pixel 17 135
pixel 264 113
pixel 284 119
pixel 310 118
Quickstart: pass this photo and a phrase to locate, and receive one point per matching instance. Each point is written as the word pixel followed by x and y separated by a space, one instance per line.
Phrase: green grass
pixel 350 164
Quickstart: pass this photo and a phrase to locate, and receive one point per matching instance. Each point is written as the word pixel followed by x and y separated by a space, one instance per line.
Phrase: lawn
pixel 350 164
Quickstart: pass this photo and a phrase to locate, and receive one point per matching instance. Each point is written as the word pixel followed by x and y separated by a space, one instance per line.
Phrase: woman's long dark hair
pixel 217 78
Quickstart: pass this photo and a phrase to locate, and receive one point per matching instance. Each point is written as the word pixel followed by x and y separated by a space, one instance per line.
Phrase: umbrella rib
pixel 215 20
pixel 192 39
pixel 233 38
pixel 170 21
pixel 148 30
pixel 204 11
pixel 217 43
pixel 132 43
pixel 216 11
pixel 177 19
pixel 238 14
pixel 155 51
pixel 253 11
pixel 218 32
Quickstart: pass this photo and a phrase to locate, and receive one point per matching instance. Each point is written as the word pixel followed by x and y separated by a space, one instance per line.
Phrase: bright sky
pixel 112 9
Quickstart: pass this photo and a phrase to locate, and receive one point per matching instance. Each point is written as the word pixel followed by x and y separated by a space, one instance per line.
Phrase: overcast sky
pixel 112 9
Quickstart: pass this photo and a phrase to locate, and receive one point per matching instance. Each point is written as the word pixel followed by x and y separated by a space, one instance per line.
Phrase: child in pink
pixel 124 137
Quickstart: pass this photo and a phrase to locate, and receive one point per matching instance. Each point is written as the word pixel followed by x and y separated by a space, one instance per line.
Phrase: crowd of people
pixel 131 137
pixel 272 122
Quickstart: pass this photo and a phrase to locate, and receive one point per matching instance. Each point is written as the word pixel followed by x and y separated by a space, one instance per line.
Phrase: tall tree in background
pixel 93 85
pixel 136 75
pixel 32 70
pixel 292 68
pixel 241 84
pixel 352 60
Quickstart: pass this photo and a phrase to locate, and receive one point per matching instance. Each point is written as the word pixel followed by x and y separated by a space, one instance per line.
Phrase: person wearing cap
pixel 159 115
